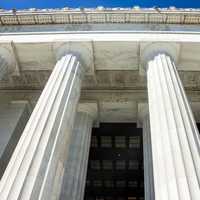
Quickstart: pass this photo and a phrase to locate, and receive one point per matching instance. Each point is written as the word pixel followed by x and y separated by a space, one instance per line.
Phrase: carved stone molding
pixel 134 15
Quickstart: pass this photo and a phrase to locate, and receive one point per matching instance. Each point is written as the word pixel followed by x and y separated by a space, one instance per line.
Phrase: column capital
pixel 150 50
pixel 90 108
pixel 82 50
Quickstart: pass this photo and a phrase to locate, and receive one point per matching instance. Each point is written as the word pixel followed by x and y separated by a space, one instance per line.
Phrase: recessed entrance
pixel 115 167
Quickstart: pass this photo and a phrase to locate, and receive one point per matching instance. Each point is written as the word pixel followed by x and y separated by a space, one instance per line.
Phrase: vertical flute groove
pixel 174 130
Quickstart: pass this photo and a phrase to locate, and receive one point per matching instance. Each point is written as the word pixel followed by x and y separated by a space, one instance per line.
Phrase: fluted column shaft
pixel 148 165
pixel 31 172
pixel 174 136
pixel 76 165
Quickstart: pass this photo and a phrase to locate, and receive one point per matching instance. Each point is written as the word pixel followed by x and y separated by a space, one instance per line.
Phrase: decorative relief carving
pixel 105 80
pixel 27 80
pixel 105 15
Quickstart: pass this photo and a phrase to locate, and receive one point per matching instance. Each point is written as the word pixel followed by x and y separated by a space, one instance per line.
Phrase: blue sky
pixel 19 4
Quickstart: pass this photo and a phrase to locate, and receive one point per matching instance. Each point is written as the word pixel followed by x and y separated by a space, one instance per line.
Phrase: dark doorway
pixel 115 167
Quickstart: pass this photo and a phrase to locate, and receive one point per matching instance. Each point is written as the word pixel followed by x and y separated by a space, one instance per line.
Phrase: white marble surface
pixel 174 135
pixel 98 51
pixel 34 164
pixel 118 111
pixel 13 118
pixel 110 55
pixel 99 27
pixel 147 156
pixel 74 178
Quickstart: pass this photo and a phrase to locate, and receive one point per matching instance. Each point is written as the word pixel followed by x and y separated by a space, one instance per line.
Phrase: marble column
pixel 3 67
pixel 175 141
pixel 147 155
pixel 38 156
pixel 76 165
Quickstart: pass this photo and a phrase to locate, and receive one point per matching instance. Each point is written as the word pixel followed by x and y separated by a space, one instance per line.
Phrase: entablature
pixel 112 61
pixel 100 50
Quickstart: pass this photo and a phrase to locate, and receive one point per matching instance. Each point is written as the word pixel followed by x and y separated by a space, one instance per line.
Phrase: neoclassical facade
pixel 65 74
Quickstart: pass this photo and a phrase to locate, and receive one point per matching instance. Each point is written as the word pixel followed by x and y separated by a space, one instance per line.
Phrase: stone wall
pixel 13 118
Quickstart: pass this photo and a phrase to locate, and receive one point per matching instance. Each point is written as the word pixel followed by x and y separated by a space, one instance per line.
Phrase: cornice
pixel 100 15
